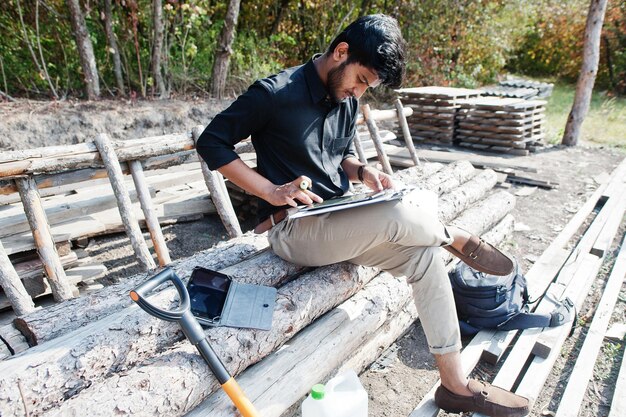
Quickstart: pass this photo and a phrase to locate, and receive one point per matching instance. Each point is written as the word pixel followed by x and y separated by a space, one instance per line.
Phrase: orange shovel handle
pixel 237 396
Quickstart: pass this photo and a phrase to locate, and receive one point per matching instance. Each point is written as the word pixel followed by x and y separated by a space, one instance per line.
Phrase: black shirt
pixel 295 131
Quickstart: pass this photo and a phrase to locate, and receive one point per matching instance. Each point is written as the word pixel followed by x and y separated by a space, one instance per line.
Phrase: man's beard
pixel 335 76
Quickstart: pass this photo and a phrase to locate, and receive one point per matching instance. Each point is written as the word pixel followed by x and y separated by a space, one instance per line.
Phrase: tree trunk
pixel 85 50
pixel 224 50
pixel 157 48
pixel 115 52
pixel 588 72
pixel 284 5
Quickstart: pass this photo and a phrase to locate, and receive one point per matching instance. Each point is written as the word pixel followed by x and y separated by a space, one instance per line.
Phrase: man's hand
pixel 288 193
pixel 376 180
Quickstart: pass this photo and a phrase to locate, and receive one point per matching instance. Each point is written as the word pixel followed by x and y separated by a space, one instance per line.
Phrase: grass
pixel 604 125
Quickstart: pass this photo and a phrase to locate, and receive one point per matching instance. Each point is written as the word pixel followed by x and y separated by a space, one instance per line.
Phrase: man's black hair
pixel 375 41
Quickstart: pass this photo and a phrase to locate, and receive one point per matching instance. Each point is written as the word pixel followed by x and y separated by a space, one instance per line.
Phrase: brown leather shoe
pixel 487 399
pixel 483 257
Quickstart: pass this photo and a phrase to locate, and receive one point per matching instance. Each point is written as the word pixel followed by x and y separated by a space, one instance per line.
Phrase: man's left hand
pixel 376 180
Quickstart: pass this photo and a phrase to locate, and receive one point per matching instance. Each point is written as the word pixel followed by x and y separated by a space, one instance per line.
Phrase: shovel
pixel 195 334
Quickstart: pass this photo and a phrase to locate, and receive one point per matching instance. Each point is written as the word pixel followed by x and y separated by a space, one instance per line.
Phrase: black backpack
pixel 499 302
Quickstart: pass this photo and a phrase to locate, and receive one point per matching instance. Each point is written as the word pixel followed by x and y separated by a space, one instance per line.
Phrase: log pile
pixel 506 125
pixel 434 110
pixel 127 362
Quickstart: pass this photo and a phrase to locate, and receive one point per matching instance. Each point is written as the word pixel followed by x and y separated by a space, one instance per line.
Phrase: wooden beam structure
pixel 116 177
pixel 375 135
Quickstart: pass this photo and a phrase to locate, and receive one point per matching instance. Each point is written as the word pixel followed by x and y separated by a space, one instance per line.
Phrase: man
pixel 302 122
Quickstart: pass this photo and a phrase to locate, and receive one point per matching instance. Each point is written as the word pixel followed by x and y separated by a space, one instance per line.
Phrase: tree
pixel 224 50
pixel 157 47
pixel 588 72
pixel 85 50
pixel 115 52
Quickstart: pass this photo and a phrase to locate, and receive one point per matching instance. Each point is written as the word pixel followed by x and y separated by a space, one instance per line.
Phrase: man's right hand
pixel 288 193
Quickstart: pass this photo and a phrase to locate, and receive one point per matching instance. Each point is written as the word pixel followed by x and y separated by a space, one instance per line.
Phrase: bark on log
pixel 57 320
pixel 71 178
pixel 96 358
pixel 466 194
pixel 408 139
pixel 46 249
pixel 13 287
pixel 298 303
pixel 152 221
pixel 285 376
pixel 380 115
pixel 375 135
pixel 85 155
pixel 349 337
pixel 486 213
pixel 104 347
pixel 219 194
pixel 124 204
pixel 43 326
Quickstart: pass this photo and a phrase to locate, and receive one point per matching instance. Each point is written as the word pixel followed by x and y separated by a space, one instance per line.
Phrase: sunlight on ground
pixel 605 123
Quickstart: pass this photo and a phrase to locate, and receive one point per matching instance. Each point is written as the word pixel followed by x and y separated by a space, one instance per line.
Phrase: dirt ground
pixel 397 382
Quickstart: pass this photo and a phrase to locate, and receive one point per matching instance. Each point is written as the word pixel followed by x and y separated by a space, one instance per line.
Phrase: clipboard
pixel 347 201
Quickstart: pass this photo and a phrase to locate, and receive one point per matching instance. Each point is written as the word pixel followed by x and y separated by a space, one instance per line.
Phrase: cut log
pixel 99 344
pixel 350 337
pixel 285 376
pixel 375 135
pixel 85 155
pixel 111 162
pixel 98 341
pixel 13 287
pixel 51 184
pixel 43 239
pixel 152 221
pixel 466 194
pixel 219 194
pixel 113 334
pixel 58 320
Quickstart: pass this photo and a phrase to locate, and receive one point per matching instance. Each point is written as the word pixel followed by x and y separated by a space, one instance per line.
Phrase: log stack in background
pixel 119 360
pixel 507 125
pixel 434 110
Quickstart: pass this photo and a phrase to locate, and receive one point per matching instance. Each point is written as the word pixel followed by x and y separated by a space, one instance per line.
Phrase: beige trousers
pixel 394 236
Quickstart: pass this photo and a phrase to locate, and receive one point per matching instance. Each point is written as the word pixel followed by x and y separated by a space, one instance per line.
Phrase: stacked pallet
pixel 434 110
pixel 506 125
pixel 516 88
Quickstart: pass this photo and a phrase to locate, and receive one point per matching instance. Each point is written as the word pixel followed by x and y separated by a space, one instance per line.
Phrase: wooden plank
pixel 479 161
pixel 618 405
pixel 540 368
pixel 490 343
pixel 574 393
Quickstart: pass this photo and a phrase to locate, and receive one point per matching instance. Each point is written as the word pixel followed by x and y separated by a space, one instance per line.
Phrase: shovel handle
pixel 138 295
pixel 238 397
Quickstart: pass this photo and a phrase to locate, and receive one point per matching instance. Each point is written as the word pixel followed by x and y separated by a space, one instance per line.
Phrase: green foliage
pixel 553 46
pixel 451 42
